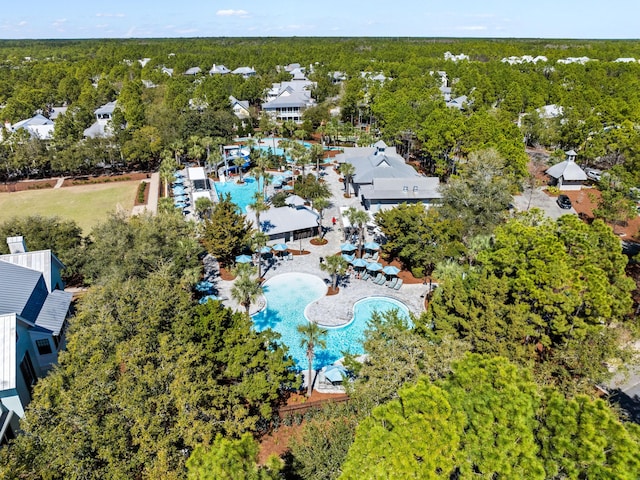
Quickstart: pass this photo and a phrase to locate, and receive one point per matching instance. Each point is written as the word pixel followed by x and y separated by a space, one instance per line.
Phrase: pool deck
pixel 333 310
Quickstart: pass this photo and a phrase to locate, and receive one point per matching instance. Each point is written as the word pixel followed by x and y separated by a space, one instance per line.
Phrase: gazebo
pixel 567 175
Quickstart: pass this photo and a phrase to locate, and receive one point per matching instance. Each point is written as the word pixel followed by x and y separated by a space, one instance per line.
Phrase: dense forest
pixel 496 379
pixel 599 99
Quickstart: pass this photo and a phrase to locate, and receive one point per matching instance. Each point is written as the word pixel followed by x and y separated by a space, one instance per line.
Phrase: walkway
pixel 152 200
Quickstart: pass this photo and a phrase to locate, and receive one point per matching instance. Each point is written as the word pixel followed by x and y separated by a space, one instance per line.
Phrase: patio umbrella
pixel 265 249
pixel 280 247
pixel 243 259
pixel 391 270
pixel 349 258
pixel 335 373
pixel 204 286
pixel 374 267
pixel 359 262
pixel 347 247
pixel 371 246
pixel 287 173
pixel 178 175
pixel 288 188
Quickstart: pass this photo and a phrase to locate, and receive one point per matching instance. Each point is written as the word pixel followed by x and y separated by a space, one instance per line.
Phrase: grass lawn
pixel 88 205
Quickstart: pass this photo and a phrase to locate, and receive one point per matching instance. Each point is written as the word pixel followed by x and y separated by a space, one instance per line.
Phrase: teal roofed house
pixel 33 312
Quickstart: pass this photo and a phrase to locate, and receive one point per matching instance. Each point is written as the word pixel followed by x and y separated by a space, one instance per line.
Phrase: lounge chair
pixel 375 256
pixel 366 255
pixel 380 279
pixel 290 256
pixel 366 276
pixel 392 282
pixel 398 285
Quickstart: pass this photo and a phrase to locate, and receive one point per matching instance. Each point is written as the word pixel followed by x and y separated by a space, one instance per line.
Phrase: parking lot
pixel 537 198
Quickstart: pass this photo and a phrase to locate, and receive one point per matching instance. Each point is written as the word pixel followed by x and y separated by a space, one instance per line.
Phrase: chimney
pixel 16 244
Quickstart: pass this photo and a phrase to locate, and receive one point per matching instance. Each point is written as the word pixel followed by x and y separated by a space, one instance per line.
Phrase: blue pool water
pixel 241 194
pixel 272 144
pixel 287 297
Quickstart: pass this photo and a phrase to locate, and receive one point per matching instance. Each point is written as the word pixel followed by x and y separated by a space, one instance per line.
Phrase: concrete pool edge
pixel 280 277
pixel 336 326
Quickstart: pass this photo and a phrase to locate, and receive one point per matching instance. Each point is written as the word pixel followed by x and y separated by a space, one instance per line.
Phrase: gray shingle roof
pixel 41 260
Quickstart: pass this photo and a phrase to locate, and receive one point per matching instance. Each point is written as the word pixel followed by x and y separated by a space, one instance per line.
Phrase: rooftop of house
pixel 379 161
pixel 280 220
pixel 408 188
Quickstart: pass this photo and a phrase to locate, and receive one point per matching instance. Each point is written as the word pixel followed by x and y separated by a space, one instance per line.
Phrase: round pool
pixel 287 297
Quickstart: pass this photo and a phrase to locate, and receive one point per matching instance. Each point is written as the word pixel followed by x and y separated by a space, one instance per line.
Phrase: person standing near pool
pixel 333 221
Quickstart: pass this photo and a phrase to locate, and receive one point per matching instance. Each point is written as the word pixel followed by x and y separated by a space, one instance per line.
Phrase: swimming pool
pixel 241 194
pixel 287 297
pixel 272 145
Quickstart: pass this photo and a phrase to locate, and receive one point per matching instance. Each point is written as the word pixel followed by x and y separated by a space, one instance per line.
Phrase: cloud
pixel 22 23
pixel 59 22
pixel 472 28
pixel 110 15
pixel 231 12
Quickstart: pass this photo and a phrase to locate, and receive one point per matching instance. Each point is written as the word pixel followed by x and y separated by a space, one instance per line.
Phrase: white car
pixel 593 174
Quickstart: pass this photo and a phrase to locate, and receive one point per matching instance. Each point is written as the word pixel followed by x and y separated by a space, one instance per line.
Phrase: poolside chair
pixel 366 255
pixel 398 285
pixel 290 256
pixel 380 279
pixel 375 256
pixel 366 276
pixel 392 282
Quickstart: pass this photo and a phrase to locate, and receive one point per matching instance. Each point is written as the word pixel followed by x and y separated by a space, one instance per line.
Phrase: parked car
pixel 563 201
pixel 593 174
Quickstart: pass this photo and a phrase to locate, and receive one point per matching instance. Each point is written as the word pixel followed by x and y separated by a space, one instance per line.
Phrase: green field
pixel 88 205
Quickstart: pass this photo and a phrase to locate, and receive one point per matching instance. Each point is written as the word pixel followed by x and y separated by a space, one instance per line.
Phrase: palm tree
pixel 258 241
pixel 357 218
pixel 316 153
pixel 335 266
pixel 320 204
pixel 239 162
pixel 246 289
pixel 259 206
pixel 347 170
pixel 177 147
pixel 203 207
pixel 166 170
pixel 196 150
pixel 312 337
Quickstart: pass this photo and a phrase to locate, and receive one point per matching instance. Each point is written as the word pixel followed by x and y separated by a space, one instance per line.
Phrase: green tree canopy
pixel 226 232
pixel 553 293
pixel 489 419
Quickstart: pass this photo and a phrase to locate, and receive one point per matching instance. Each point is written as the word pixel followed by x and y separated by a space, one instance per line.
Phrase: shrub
pixel 417 272
pixel 553 190
pixel 141 189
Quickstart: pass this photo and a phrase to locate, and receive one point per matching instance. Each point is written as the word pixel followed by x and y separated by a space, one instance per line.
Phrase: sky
pixel 325 18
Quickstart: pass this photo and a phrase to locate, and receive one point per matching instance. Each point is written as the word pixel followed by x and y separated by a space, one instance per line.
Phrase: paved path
pixel 537 198
pixel 152 200
pixel 59 183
